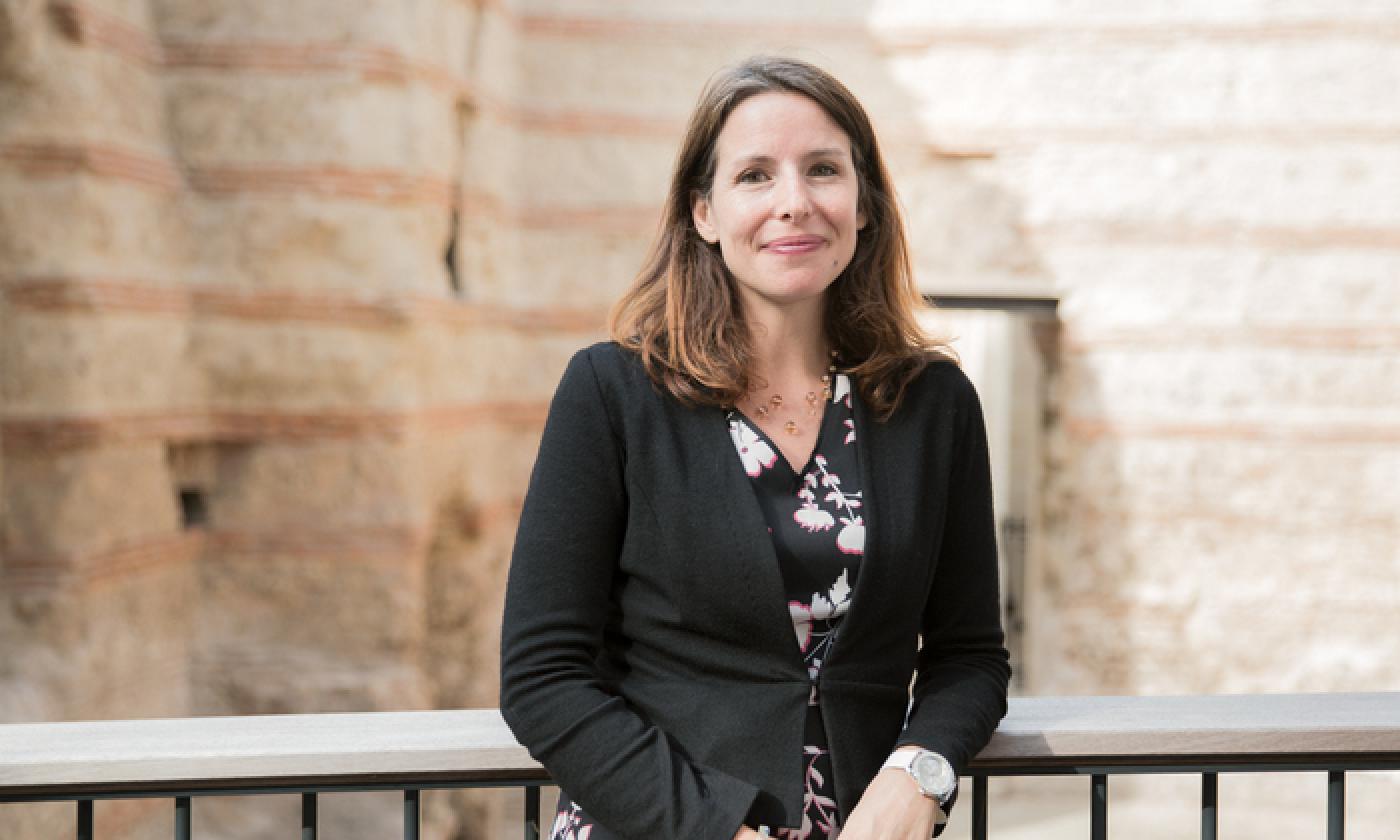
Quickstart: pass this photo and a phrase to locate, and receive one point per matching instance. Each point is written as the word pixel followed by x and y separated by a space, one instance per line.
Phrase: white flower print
pixel 851 538
pixel 824 608
pixel 842 391
pixel 813 518
pixel 753 450
pixel 570 825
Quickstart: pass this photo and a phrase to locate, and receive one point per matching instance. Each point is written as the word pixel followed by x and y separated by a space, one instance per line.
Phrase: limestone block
pixel 564 72
pixel 24 47
pixel 1318 486
pixel 496 457
pixel 328 118
pixel 1278 88
pixel 495 69
pixel 282 633
pixel 730 13
pixel 1179 286
pixel 965 230
pixel 1274 388
pixel 135 14
pixel 305 240
pixel 1039 14
pixel 434 31
pixel 565 171
pixel 1182 558
pixel 509 366
pixel 252 366
pixel 572 267
pixel 135 660
pixel 493 168
pixel 82 93
pixel 1221 183
pixel 89 226
pixel 365 486
pixel 465 600
pixel 73 504
pixel 95 364
pixel 1175 588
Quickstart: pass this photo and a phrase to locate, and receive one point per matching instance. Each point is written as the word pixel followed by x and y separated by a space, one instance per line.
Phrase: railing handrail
pixel 444 748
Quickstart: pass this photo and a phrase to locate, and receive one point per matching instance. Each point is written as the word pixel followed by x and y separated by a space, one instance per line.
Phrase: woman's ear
pixel 700 215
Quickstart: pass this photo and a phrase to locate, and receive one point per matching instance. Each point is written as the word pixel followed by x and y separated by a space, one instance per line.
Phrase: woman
pixel 760 510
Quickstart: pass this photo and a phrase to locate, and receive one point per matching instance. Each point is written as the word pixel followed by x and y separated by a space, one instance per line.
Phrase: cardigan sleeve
pixel 623 770
pixel 959 694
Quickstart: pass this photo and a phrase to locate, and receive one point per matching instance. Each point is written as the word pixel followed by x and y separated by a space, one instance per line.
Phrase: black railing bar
pixel 1098 807
pixel 532 813
pixel 81 794
pixel 1317 761
pixel 1210 796
pixel 412 817
pixel 1089 769
pixel 182 818
pixel 979 807
pixel 1336 805
pixel 85 819
pixel 308 816
pixel 266 790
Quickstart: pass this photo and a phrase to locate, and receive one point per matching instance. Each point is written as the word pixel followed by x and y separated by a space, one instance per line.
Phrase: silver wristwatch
pixel 929 770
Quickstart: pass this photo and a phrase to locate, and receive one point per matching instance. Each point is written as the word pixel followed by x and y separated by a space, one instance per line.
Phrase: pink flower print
pixel 851 538
pixel 818 809
pixel 754 452
pixel 813 518
pixel 851 426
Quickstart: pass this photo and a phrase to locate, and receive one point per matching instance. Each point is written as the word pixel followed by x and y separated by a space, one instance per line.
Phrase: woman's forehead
pixel 770 126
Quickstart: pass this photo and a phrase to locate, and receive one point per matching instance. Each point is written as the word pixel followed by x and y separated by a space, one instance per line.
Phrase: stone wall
pixel 284 290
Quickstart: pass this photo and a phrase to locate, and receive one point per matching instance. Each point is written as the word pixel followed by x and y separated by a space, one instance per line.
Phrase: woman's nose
pixel 792 200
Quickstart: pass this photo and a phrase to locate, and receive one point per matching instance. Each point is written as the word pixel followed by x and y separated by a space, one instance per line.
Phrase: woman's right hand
pixel 746 833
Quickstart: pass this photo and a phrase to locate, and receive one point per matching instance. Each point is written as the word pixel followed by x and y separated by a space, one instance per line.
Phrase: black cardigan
pixel 648 659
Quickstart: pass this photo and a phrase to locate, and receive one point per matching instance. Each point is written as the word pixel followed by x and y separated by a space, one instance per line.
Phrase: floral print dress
pixel 817 525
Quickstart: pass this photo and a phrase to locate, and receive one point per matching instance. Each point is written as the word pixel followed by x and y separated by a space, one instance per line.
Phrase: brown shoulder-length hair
pixel 682 314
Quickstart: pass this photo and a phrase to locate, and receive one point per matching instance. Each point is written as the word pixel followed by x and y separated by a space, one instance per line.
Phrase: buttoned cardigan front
pixel 647 654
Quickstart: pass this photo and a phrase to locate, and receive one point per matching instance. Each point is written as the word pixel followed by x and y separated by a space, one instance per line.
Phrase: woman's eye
pixel 824 169
pixel 750 176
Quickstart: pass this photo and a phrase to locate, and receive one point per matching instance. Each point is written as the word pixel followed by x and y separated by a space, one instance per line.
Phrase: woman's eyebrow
pixel 749 160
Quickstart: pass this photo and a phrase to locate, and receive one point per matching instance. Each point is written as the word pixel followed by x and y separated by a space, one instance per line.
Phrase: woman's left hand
pixel 892 808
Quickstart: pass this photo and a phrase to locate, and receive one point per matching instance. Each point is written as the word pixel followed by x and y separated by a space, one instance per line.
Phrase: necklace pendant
pixel 776 400
pixel 790 427
pixel 762 411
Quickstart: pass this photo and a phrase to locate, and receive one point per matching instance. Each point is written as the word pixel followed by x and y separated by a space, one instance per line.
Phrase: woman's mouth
pixel 794 244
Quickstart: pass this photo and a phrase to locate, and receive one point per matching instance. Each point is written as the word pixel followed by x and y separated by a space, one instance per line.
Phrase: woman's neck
pixel 788 345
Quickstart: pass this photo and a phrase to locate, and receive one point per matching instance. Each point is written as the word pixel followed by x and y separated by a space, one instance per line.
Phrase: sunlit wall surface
pixel 285 288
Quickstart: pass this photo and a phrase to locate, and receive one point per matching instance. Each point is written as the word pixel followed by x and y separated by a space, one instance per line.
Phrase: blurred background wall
pixel 285 289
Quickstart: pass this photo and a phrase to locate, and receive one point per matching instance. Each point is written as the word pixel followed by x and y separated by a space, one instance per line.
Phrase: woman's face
pixel 784 203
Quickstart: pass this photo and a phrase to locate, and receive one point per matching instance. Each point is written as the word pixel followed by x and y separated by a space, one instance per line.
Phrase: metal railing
pixel 188 758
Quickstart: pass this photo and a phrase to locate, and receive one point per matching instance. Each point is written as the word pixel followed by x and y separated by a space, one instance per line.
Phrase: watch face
pixel 932 775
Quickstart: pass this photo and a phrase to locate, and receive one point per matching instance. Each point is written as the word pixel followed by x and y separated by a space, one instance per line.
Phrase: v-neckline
pixel 778 450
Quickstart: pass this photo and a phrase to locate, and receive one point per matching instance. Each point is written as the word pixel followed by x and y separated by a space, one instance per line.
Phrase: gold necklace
pixel 775 402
